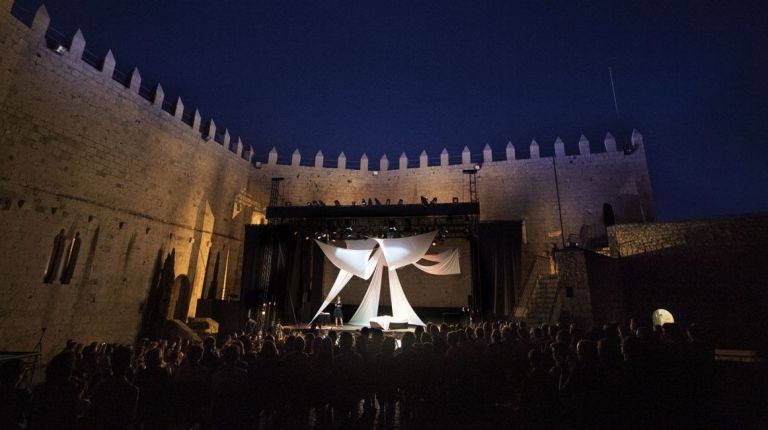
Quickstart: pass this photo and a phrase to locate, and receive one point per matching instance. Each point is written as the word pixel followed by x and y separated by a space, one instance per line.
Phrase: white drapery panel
pixel 401 309
pixel 406 250
pixel 361 244
pixel 447 263
pixel 393 253
pixel 369 307
pixel 341 281
pixel 354 261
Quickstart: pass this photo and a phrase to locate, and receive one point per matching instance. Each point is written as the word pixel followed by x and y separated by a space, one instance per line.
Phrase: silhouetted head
pixel 209 343
pixel 231 354
pixel 268 351
pixel 11 372
pixel 388 346
pixel 194 353
pixel 120 360
pixel 153 358
pixel 407 341
pixel 345 341
pixel 586 350
pixel 60 367
pixel 535 359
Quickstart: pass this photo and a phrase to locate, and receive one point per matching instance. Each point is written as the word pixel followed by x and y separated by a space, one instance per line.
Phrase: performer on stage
pixel 338 317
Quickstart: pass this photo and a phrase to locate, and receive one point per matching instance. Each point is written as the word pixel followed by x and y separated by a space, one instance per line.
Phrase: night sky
pixel 393 76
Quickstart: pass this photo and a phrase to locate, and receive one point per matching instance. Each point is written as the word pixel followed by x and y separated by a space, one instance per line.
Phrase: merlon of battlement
pixel 534 148
pixel 178 109
pixel 135 80
pixel 583 145
pixel 77 45
pixel 510 151
pixel 108 65
pixel 41 22
pixel 559 147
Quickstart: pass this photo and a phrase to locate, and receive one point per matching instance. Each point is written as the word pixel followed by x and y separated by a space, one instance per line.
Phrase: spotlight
pixel 364 202
pixel 60 50
pixel 476 167
pixel 375 173
pixel 309 203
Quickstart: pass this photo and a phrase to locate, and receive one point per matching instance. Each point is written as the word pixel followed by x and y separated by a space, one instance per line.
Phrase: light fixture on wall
pixel 375 173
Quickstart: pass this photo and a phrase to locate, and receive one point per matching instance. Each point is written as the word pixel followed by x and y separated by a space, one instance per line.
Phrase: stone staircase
pixel 542 301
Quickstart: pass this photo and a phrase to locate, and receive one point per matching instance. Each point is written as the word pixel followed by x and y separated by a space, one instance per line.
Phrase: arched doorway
pixel 181 293
pixel 609 218
pixel 661 317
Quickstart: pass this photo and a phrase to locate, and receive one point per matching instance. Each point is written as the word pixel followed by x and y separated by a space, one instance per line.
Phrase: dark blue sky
pixel 394 76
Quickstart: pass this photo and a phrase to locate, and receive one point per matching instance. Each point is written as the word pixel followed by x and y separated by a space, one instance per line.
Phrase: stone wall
pixel 88 155
pixel 514 189
pixel 711 272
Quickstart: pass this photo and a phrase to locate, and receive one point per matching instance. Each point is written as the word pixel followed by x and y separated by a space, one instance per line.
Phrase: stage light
pixel 476 167
pixel 375 173
pixel 60 50
pixel 364 202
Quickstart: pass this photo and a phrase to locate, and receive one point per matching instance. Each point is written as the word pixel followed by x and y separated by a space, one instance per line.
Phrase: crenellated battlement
pixel 74 53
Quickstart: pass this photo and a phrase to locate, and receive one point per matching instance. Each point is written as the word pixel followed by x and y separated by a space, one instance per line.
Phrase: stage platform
pixel 304 328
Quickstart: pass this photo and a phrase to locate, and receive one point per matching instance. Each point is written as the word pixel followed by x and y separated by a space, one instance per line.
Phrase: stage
pixel 350 328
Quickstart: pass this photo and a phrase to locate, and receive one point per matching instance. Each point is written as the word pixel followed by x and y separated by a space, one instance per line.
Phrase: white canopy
pixel 393 253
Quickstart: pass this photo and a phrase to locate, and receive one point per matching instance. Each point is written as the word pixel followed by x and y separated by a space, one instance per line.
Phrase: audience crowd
pixel 485 375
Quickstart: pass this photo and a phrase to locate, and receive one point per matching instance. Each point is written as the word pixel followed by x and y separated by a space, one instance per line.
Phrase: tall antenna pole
pixel 613 89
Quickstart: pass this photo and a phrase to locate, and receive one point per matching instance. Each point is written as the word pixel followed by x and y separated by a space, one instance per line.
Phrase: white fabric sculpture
pixel 394 253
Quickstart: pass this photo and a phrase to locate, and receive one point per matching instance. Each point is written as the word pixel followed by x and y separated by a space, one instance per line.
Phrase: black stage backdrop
pixel 497 247
pixel 282 273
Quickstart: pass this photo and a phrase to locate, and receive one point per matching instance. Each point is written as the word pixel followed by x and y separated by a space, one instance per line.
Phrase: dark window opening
pixel 70 260
pixel 609 218
pixel 54 262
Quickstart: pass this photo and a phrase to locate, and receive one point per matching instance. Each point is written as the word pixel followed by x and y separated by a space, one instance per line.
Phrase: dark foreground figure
pixel 493 375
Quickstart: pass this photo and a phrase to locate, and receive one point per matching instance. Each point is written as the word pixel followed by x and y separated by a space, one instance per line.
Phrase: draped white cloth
pixel 405 250
pixel 369 307
pixel 344 277
pixel 351 260
pixel 447 263
pixel 401 309
pixel 393 253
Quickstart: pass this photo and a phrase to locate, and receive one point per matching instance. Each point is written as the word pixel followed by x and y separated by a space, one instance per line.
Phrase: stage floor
pixel 346 327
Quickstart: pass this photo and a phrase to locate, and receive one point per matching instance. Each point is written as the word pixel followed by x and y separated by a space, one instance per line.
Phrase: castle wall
pixel 516 189
pixel 87 155
pixel 711 272
pixel 83 153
